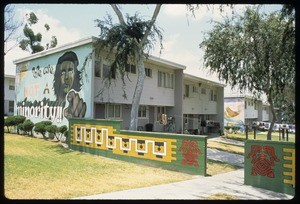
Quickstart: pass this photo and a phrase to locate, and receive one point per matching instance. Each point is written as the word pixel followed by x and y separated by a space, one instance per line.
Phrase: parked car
pixel 267 126
pixel 292 128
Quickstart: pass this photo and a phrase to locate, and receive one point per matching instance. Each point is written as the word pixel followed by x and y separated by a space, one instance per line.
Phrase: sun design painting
pixel 233 111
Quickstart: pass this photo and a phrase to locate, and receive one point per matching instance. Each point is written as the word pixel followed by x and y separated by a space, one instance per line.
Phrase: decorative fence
pixel 184 153
pixel 270 165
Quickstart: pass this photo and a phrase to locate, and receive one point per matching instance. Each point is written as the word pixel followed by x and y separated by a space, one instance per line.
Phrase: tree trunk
pixel 269 135
pixel 138 90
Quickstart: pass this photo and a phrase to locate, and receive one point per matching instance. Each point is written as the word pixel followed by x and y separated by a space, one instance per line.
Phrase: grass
pixel 225 147
pixel 221 196
pixel 217 167
pixel 259 136
pixel 39 169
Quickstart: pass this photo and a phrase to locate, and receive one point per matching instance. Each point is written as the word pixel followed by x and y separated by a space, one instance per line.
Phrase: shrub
pixel 28 126
pixel 40 127
pixel 20 127
pixel 8 122
pixel 52 129
pixel 15 121
pixel 63 130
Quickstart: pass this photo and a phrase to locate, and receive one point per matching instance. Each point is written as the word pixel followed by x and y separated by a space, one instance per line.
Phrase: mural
pixel 270 165
pixel 263 158
pixel 190 152
pixel 234 112
pixel 103 137
pixel 47 91
pixel 171 151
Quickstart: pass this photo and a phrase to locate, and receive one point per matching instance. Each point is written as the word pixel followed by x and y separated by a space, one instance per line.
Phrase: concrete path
pixel 230 158
pixel 231 183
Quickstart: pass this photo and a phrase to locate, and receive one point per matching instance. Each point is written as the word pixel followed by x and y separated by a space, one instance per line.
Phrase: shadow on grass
pixel 59 149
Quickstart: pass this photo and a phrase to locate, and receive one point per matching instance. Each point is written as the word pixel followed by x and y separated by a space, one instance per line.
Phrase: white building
pixel 167 91
pixel 9 94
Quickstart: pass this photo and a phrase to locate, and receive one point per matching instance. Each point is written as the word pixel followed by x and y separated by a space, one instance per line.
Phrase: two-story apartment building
pixel 9 94
pixel 203 101
pixel 241 110
pixel 68 81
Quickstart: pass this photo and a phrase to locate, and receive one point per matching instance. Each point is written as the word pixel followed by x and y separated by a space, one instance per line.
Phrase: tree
pixel 8 122
pixel 40 127
pixel 52 129
pixel 10 27
pixel 32 41
pixel 27 126
pixel 254 51
pixel 130 41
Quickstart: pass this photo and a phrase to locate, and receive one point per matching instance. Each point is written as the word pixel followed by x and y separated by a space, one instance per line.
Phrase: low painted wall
pixel 184 153
pixel 270 165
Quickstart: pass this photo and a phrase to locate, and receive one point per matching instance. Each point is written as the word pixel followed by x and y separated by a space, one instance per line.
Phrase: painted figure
pixel 190 152
pixel 66 76
pixel 263 158
pixel 67 84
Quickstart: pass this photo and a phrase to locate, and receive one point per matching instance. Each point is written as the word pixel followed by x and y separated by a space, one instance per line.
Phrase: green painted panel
pixel 184 153
pixel 270 165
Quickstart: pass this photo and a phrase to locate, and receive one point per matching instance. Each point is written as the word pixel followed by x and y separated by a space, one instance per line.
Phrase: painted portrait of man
pixel 66 84
pixel 66 76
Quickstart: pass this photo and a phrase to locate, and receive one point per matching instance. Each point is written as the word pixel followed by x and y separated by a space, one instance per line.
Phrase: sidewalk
pixel 231 183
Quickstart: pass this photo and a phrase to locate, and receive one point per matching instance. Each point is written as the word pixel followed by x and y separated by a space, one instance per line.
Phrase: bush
pixel 20 127
pixel 28 126
pixel 40 127
pixel 52 129
pixel 15 121
pixel 63 130
pixel 234 129
pixel 8 122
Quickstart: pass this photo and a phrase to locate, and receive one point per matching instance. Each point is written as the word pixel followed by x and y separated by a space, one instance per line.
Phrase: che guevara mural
pixel 54 87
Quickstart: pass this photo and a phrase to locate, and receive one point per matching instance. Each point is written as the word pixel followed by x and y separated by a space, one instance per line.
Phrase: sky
pixel 182 33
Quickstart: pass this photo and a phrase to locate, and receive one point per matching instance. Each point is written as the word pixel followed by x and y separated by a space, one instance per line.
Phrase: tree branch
pixel 119 14
pixel 149 27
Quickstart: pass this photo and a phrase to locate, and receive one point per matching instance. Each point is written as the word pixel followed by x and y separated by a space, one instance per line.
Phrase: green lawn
pixel 39 169
pixel 259 136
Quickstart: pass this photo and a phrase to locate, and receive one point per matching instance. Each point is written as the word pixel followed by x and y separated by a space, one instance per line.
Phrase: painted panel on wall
pixel 54 87
pixel 234 112
pixel 104 137
pixel 270 165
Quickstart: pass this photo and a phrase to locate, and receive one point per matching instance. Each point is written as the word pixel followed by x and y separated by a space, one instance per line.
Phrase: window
pixel 142 113
pixel 187 91
pixel 106 72
pixel 113 111
pixel 11 85
pixel 97 68
pixel 148 72
pixel 10 106
pixel 213 95
pixel 165 80
pixel 245 104
pixel 255 106
pixel 203 91
pixel 195 90
pixel 130 68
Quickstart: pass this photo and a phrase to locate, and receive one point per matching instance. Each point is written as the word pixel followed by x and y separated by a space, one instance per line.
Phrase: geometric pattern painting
pixel 289 167
pixel 263 158
pixel 103 137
